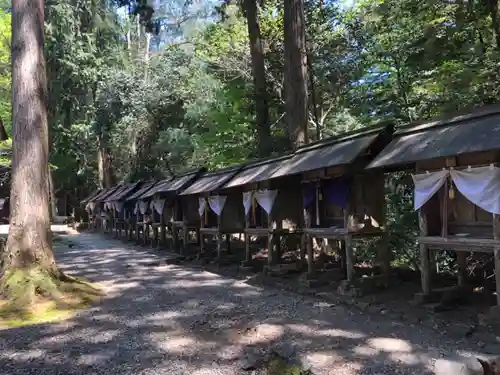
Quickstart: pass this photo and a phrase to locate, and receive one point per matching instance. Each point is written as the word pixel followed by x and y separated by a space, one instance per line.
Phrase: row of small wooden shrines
pixel 335 189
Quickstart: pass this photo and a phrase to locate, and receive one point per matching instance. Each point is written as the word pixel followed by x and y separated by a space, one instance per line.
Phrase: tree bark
pixel 295 75
pixel 3 133
pixel 106 176
pixel 29 243
pixel 494 9
pixel 259 79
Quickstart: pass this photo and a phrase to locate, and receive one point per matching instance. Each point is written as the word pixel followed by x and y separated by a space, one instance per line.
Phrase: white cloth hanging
pixel 203 206
pixel 143 207
pixel 266 198
pixel 217 203
pixel 159 205
pixel 136 208
pixel 118 206
pixel 480 185
pixel 247 201
pixel 91 206
pixel 426 185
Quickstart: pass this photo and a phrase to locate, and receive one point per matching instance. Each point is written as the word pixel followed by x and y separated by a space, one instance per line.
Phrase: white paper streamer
pixel 159 205
pixel 247 201
pixel 118 206
pixel 266 199
pixel 426 185
pixel 143 207
pixel 203 206
pixel 217 203
pixel 480 185
pixel 136 208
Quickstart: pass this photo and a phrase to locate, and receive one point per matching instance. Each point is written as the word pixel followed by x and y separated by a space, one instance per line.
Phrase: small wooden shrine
pixel 457 185
pixel 166 206
pixel 342 201
pixel 100 212
pixel 213 213
pixel 270 201
pixel 136 216
pixel 117 201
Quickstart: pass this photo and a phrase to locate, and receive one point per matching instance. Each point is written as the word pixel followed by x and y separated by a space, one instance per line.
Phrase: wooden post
pixel 425 266
pixel 349 256
pixel 462 267
pixel 218 236
pixel 248 253
pixel 496 252
pixel 310 255
pixel 444 213
pixel 164 227
pixel 202 225
pixel 349 261
pixel 270 241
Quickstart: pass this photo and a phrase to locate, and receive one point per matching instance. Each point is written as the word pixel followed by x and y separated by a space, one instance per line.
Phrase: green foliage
pixel 184 98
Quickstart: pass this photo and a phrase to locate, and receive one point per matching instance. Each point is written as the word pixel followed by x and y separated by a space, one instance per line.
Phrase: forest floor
pixel 173 320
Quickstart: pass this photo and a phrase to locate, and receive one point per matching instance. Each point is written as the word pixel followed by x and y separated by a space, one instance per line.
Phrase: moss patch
pixel 278 366
pixel 32 296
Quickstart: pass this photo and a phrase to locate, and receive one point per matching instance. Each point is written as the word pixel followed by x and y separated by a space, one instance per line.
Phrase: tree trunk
pixel 106 177
pixel 3 133
pixel 29 243
pixel 295 75
pixel 53 206
pixel 259 79
pixel 495 19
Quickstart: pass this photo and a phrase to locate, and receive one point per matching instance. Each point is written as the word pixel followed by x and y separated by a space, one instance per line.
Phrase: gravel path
pixel 174 320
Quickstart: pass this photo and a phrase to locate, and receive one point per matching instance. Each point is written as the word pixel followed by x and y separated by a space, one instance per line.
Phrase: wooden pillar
pixel 349 256
pixel 496 252
pixel 349 261
pixel 307 243
pixel 218 236
pixel 202 225
pixel 164 228
pixel 425 266
pixel 248 253
pixel 270 241
pixel 462 267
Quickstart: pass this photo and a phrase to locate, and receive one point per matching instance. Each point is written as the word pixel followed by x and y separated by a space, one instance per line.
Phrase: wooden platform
pixel 483 245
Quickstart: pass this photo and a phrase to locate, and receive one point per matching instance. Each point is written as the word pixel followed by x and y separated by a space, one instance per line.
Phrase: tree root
pixel 23 289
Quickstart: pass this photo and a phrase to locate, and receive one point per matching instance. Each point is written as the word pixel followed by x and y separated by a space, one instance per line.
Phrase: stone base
pixel 443 297
pixel 362 286
pixel 281 269
pixel 312 283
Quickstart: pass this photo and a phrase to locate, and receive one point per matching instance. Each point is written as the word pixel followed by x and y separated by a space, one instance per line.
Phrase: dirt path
pixel 174 320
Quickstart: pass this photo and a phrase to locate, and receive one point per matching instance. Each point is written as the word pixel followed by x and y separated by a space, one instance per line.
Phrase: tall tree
pixel 29 243
pixel 259 78
pixel 295 75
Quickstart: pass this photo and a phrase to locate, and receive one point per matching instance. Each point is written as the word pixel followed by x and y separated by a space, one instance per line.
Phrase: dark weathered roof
pixel 477 131
pixel 331 152
pixel 325 153
pixel 258 171
pixel 210 181
pixel 174 184
pixel 145 186
pixel 89 197
pixel 105 193
pixel 124 192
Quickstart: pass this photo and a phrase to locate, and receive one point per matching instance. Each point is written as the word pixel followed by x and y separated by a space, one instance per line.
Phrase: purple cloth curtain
pixel 308 194
pixel 337 191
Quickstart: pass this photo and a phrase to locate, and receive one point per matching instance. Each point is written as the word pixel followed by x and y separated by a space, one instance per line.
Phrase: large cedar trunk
pixel 295 75
pixel 29 243
pixel 259 79
pixel 106 176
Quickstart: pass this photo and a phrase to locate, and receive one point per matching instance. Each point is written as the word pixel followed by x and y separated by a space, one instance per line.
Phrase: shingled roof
pixel 476 131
